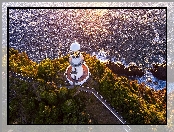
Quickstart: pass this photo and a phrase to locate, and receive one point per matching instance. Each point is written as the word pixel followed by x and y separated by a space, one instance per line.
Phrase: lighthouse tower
pixel 77 72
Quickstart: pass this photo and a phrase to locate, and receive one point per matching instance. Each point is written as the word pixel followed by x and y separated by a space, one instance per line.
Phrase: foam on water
pixel 151 81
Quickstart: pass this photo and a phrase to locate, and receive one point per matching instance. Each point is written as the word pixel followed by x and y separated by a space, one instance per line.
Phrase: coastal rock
pixel 159 71
pixel 120 69
pixel 117 68
pixel 133 70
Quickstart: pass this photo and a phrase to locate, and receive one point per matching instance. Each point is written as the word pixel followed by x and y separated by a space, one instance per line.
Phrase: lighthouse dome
pixel 75 46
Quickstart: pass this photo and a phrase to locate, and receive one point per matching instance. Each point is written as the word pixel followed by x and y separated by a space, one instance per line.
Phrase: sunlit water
pixel 126 35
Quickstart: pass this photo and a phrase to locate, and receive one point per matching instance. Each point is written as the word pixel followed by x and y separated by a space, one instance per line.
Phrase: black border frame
pixel 8 8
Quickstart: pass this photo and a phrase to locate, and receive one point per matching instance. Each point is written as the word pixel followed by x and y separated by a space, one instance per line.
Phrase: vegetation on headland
pixel 137 103
pixel 44 101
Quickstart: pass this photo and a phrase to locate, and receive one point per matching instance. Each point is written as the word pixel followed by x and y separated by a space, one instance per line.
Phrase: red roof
pixel 85 74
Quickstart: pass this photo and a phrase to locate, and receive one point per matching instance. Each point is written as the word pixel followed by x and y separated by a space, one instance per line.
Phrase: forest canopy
pixel 47 100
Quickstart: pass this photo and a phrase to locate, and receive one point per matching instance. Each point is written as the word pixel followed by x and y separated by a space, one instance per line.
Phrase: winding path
pixel 85 89
pixel 107 105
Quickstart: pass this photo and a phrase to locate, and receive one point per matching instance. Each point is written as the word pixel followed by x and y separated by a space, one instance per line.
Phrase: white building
pixel 77 72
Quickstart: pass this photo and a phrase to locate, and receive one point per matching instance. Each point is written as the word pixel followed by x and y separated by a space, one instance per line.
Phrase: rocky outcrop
pixel 159 71
pixel 117 68
pixel 133 70
pixel 120 69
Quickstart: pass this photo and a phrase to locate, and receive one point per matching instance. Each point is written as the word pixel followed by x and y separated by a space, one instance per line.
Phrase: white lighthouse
pixel 77 72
